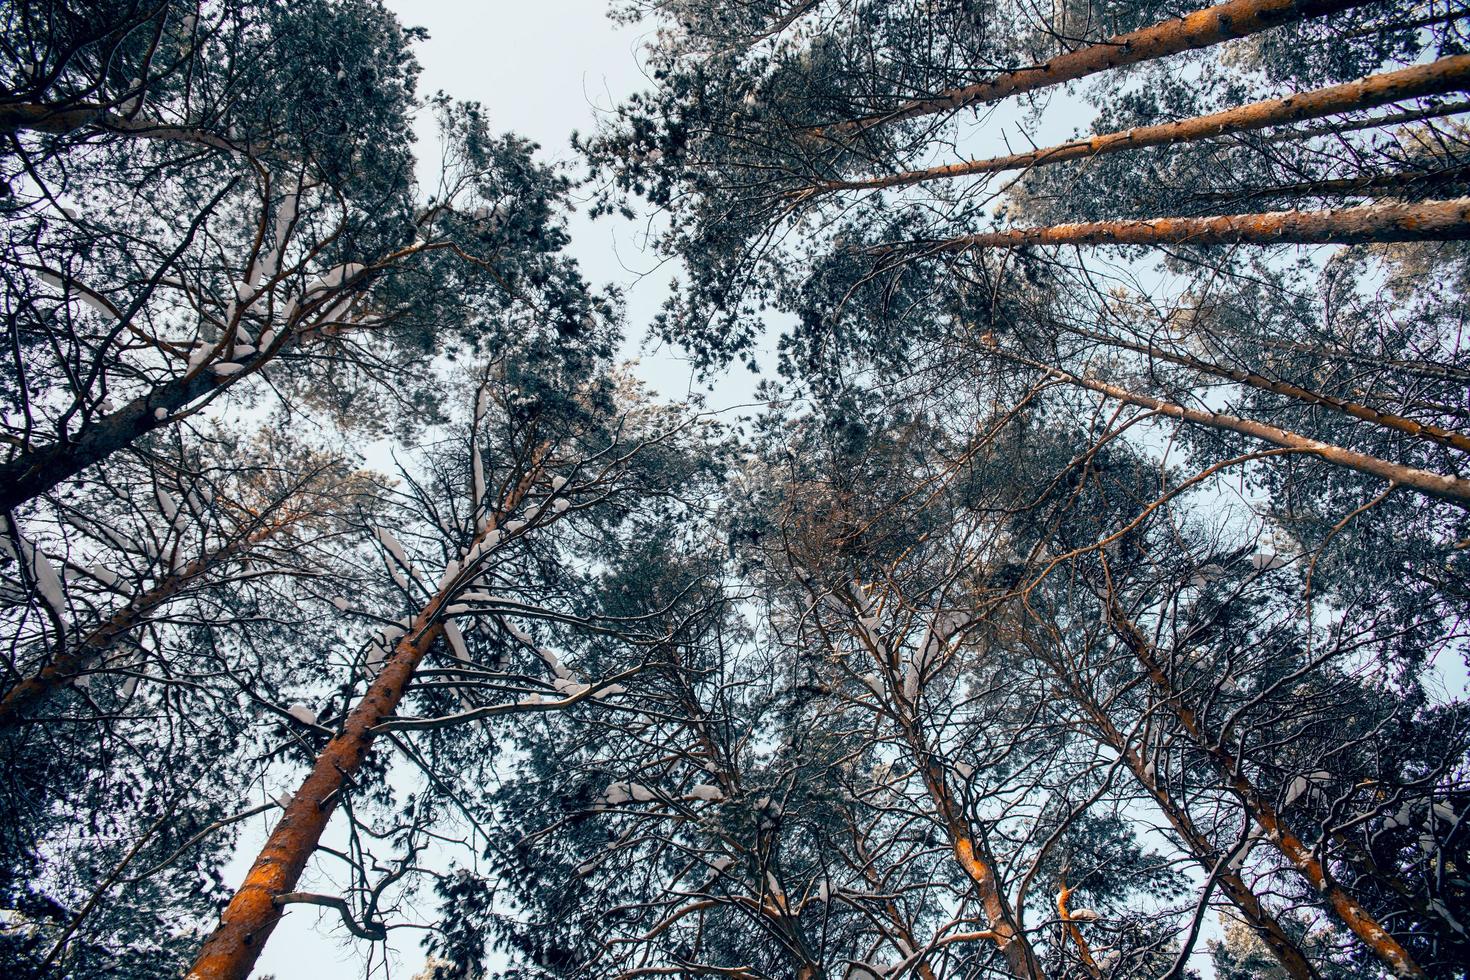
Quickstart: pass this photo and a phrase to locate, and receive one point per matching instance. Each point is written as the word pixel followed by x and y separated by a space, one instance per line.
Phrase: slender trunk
pixel 36 471
pixel 1293 848
pixel 42 118
pixel 1432 370
pixel 1402 222
pixel 1339 127
pixel 1451 488
pixel 901 926
pixel 1445 75
pixel 969 853
pixel 245 925
pixel 1404 185
pixel 96 642
pixel 1255 915
pixel 1398 423
pixel 1201 29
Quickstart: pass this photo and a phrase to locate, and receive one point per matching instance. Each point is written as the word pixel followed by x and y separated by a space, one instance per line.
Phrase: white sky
pixel 541 70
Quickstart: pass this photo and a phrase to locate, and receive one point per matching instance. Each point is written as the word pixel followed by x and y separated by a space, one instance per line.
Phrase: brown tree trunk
pixel 230 953
pixel 1418 222
pixel 971 856
pixel 1451 488
pixel 1201 29
pixel 1405 185
pixel 1398 423
pixel 95 643
pixel 1255 915
pixel 1301 857
pixel 34 471
pixel 1445 75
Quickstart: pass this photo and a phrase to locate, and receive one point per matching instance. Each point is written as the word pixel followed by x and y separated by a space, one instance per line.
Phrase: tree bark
pixel 1417 222
pixel 1454 489
pixel 1405 185
pixel 1445 75
pixel 247 922
pixel 1301 857
pixel 1388 420
pixel 72 661
pixel 35 471
pixel 1201 29
pixel 1253 913
pixel 970 856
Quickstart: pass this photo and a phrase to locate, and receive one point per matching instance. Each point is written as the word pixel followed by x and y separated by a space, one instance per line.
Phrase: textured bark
pixel 1419 222
pixel 1297 853
pixel 1451 488
pixel 96 642
pixel 1444 75
pixel 1388 420
pixel 231 951
pixel 1201 29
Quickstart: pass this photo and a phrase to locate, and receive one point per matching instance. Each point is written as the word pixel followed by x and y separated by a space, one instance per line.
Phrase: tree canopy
pixel 1085 596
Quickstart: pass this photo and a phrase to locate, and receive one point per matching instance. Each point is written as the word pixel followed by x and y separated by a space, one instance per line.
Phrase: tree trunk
pixel 1444 75
pixel 1405 185
pixel 94 644
pixel 1201 29
pixel 1297 853
pixel 1255 915
pixel 970 855
pixel 35 471
pixel 1418 222
pixel 1388 420
pixel 1451 488
pixel 230 953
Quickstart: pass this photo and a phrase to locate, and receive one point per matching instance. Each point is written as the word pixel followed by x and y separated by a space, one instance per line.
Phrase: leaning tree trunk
pixel 1248 905
pixel 1388 420
pixel 95 643
pixel 1405 185
pixel 1454 489
pixel 1296 851
pixel 1445 75
pixel 1201 29
pixel 33 472
pixel 972 857
pixel 1418 222
pixel 247 922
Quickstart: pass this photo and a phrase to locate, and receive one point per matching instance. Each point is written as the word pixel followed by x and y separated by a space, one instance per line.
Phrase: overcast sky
pixel 542 70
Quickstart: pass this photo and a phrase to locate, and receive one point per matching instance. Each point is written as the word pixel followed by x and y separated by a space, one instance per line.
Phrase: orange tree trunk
pixel 1201 29
pixel 1445 75
pixel 1297 853
pixel 969 854
pixel 1424 221
pixel 247 922
pixel 1454 489
pixel 1261 922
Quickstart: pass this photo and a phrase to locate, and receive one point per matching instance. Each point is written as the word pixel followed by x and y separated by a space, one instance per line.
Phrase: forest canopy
pixel 1082 599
